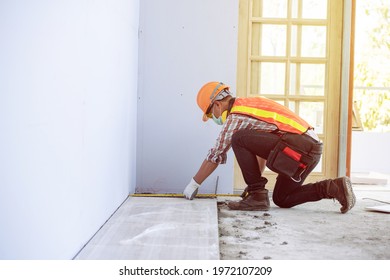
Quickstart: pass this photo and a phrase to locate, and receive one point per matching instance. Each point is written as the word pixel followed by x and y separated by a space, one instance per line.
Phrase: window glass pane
pixel 294 8
pixel 272 78
pixel 294 40
pixel 273 40
pixel 313 113
pixel 315 9
pixel 256 31
pixel 274 8
pixel 313 41
pixel 267 78
pixel 291 106
pixel 311 79
pixel 310 9
pixel 255 78
pixel 294 85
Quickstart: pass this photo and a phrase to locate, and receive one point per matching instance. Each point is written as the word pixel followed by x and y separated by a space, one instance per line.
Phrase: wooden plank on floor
pixel 147 228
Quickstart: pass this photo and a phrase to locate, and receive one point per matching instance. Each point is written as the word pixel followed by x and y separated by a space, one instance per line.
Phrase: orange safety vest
pixel 271 112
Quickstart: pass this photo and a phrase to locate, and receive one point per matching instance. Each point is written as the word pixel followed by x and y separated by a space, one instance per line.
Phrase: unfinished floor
pixel 158 228
pixel 175 228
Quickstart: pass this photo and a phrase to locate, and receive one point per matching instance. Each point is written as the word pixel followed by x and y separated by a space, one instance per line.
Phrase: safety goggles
pixel 221 95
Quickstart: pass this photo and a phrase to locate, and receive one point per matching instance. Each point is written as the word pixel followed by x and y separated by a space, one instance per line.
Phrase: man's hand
pixel 191 190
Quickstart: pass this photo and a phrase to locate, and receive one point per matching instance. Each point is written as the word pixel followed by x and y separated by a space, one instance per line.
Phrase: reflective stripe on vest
pixel 272 112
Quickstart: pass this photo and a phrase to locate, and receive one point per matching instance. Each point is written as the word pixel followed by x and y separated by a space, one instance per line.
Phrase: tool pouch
pixel 287 159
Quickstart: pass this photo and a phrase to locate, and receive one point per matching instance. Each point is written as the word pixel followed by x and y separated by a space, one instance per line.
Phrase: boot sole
pixel 349 195
pixel 244 207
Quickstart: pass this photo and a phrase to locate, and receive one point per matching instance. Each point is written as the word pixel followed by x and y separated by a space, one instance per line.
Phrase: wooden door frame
pixel 346 119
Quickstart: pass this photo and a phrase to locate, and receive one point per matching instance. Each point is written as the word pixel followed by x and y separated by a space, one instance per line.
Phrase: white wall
pixel 370 152
pixel 68 83
pixel 183 44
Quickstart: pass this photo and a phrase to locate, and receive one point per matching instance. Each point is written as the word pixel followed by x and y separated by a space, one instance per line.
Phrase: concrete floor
pixel 175 228
pixel 311 231
pixel 157 229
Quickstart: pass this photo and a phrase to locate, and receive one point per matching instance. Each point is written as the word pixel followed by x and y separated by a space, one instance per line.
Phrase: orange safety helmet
pixel 208 94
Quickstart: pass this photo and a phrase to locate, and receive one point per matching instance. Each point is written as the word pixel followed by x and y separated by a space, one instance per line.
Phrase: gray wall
pixel 183 44
pixel 68 98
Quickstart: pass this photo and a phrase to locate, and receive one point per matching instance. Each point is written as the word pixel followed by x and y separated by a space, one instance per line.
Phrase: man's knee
pixel 282 202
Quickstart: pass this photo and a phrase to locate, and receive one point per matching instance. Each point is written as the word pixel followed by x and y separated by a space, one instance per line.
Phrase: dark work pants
pixel 247 144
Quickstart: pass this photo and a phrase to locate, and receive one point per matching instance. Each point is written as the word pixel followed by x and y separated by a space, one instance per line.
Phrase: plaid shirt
pixel 233 123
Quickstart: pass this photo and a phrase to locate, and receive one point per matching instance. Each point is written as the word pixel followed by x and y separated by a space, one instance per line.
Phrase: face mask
pixel 221 119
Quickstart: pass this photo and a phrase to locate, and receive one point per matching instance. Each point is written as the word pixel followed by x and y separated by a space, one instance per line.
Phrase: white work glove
pixel 191 190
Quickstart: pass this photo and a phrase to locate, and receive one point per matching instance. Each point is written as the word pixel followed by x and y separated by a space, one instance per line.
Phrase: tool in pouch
pixel 287 159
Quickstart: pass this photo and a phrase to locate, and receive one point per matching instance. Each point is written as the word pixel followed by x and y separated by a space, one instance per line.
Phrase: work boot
pixel 253 201
pixel 340 189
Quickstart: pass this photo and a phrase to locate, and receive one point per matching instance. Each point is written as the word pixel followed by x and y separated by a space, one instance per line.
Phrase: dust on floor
pixel 309 231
